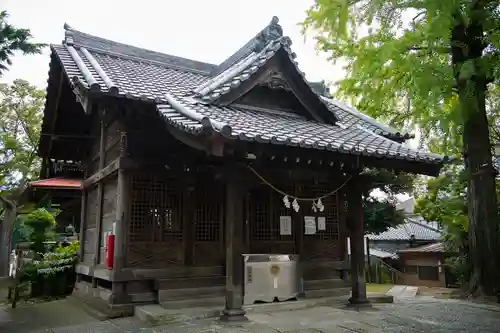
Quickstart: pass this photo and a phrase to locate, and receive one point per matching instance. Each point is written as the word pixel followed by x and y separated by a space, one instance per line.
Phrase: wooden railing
pixel 381 272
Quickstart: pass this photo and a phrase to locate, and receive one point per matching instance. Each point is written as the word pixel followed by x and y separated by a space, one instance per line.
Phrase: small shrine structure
pixel 191 164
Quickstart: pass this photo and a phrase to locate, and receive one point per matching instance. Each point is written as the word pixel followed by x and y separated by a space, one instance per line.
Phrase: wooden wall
pixel 90 226
pixel 176 218
pixel 108 213
pixel 101 198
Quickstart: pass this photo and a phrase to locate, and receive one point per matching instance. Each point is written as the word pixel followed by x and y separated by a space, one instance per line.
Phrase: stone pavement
pixel 403 292
pixel 422 314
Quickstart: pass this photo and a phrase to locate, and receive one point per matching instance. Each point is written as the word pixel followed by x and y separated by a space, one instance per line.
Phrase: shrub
pixel 54 274
pixel 40 221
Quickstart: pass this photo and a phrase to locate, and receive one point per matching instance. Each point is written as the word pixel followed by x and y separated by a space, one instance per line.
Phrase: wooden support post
pixel 356 225
pixel 368 260
pixel 234 239
pixel 118 293
pixel 83 223
pixel 122 205
pixel 100 195
pixel 188 211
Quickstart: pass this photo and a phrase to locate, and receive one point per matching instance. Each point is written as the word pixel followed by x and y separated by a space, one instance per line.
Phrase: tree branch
pixel 440 49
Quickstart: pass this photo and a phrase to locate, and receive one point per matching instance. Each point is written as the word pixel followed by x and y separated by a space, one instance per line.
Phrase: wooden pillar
pixel 234 239
pixel 343 231
pixel 188 225
pixel 83 216
pixel 122 206
pixel 100 195
pixel 356 225
pixel 369 261
pixel 118 293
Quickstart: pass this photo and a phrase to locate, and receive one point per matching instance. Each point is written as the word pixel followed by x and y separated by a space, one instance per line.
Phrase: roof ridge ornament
pixel 68 35
pixel 272 32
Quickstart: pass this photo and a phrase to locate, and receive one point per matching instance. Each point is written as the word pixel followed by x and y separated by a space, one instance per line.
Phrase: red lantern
pixel 110 251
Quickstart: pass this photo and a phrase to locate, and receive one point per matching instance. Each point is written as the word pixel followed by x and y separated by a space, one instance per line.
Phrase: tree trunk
pixel 6 235
pixel 467 47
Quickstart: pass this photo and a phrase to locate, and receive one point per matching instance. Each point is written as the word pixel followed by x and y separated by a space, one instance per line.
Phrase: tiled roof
pixel 60 182
pixel 288 129
pixel 419 228
pixel 352 117
pixel 437 247
pixel 242 70
pixel 380 253
pixel 183 91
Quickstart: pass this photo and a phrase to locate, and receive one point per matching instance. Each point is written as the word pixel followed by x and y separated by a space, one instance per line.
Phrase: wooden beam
pixel 103 173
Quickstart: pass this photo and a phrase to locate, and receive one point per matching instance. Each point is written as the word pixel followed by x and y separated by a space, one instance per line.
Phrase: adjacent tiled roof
pixel 353 117
pixel 174 85
pixel 60 182
pixel 437 247
pixel 381 254
pixel 419 228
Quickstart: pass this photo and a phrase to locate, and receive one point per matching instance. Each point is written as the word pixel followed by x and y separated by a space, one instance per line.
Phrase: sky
pixel 208 31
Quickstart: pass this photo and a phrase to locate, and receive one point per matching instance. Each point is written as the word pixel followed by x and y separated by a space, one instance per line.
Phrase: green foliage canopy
pixel 20 123
pixel 432 65
pixel 397 60
pixel 380 214
pixel 14 39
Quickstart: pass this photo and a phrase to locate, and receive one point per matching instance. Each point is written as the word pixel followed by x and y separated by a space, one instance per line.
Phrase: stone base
pixel 92 301
pixel 359 304
pixel 233 315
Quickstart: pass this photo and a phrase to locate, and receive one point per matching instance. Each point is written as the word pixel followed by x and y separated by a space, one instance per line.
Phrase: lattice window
pixel 259 217
pixel 330 211
pixel 209 203
pixel 265 208
pixel 156 209
pixel 279 209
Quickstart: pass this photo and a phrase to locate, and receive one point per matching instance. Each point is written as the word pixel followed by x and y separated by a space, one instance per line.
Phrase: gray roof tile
pixel 175 83
pixel 265 126
pixel 437 247
pixel 350 116
pixel 140 73
pixel 421 229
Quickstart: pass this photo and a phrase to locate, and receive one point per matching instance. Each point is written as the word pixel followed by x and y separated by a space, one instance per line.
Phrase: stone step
pixel 203 281
pixel 199 302
pixel 190 293
pixel 324 284
pixel 335 292
pixel 156 315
